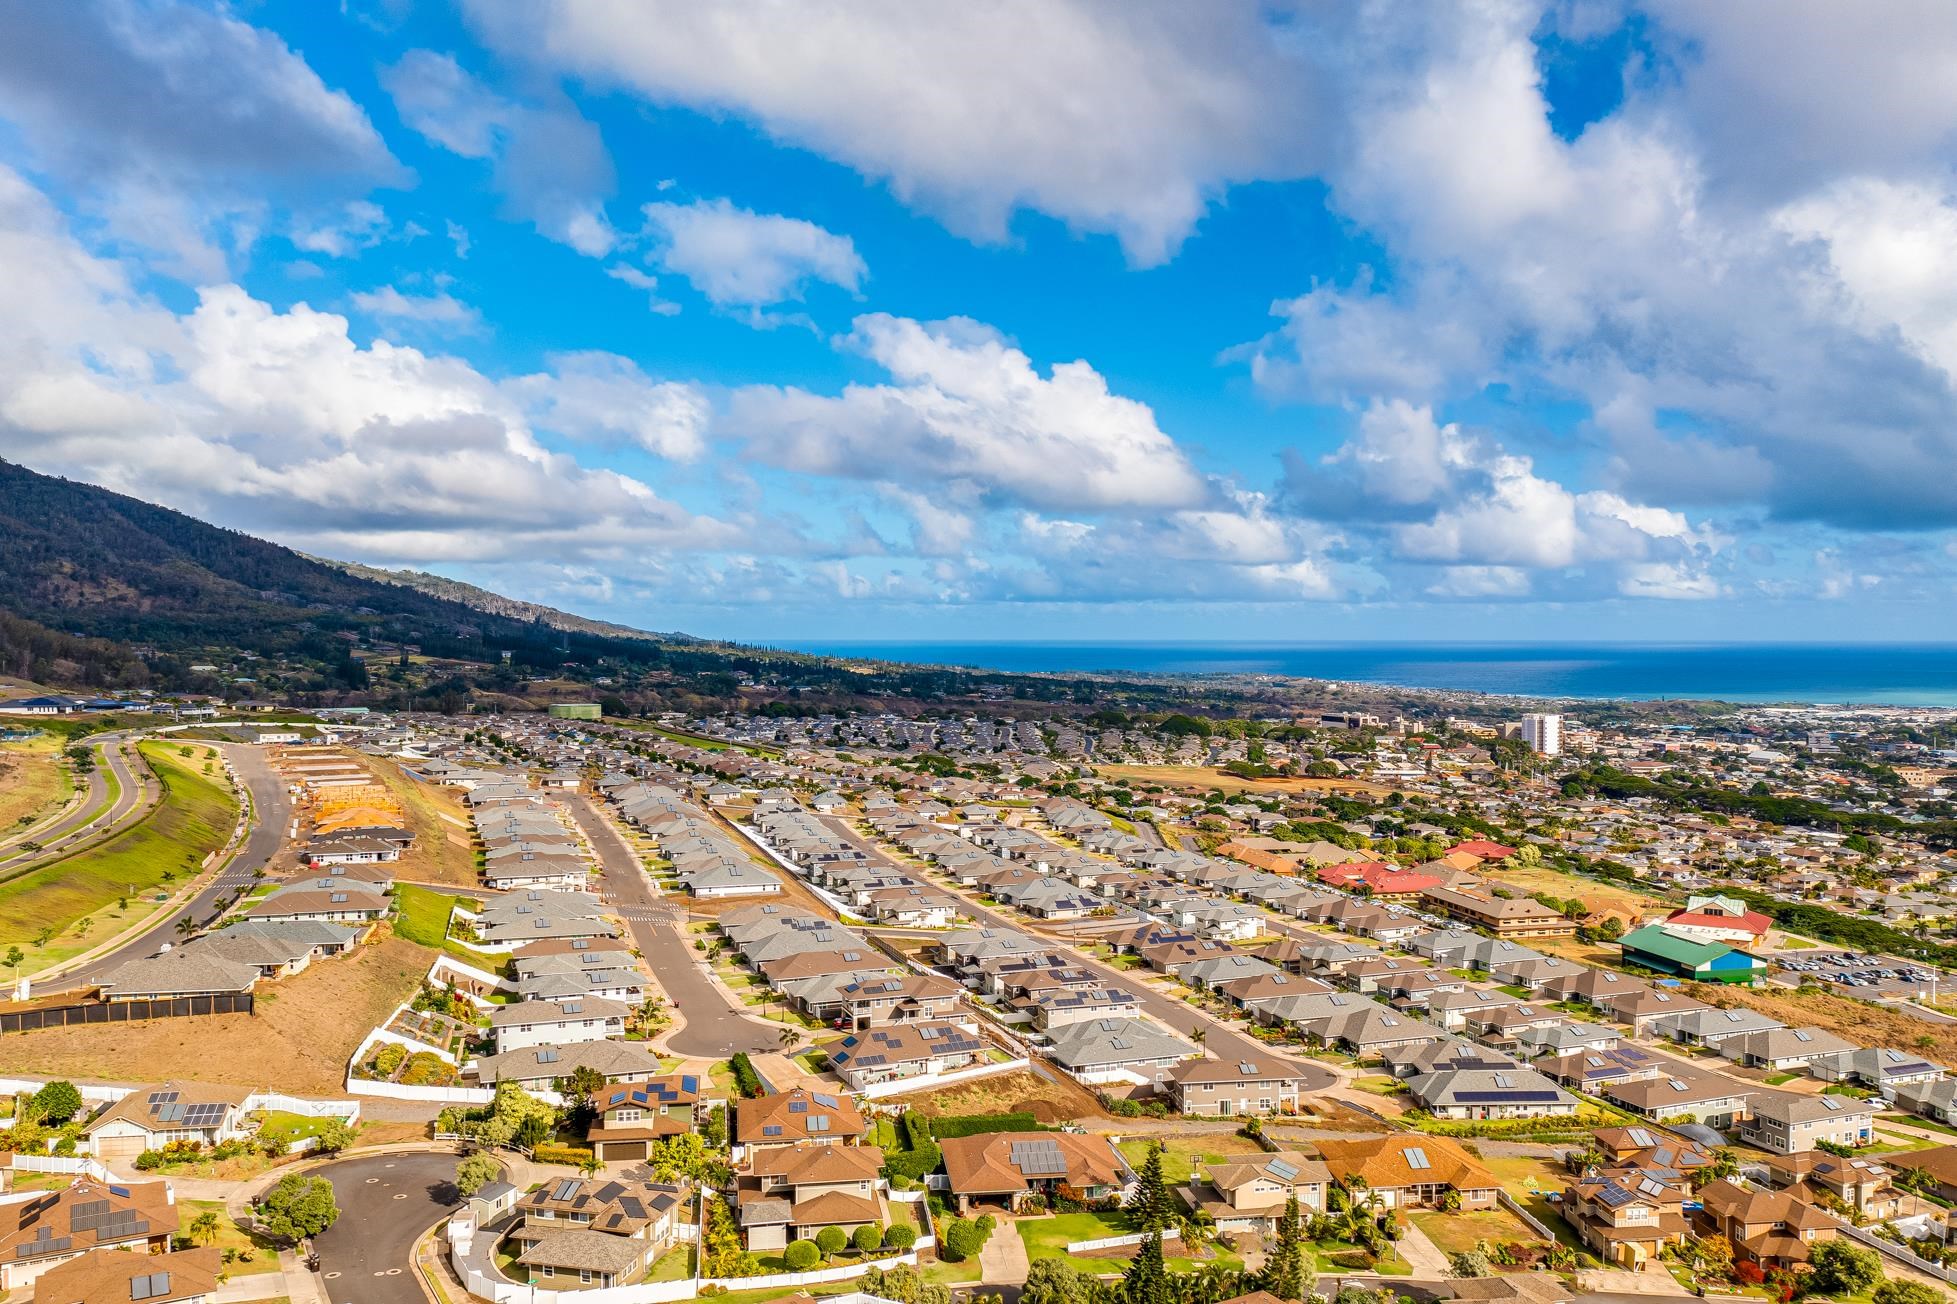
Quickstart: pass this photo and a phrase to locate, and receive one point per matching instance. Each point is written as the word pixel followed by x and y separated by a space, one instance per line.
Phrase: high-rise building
pixel 1543 731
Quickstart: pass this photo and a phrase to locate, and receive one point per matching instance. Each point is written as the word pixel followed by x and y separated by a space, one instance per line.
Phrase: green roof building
pixel 1651 947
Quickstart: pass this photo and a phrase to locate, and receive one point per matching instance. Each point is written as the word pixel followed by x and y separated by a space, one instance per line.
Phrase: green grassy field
pixel 421 916
pixel 1182 1155
pixel 194 819
pixel 230 1236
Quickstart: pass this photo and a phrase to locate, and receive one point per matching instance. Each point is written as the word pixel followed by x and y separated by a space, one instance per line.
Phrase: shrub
pixel 961 1240
pixel 388 1058
pixel 830 1240
pixel 744 1075
pixel 867 1238
pixel 552 1153
pixel 427 1069
pixel 900 1236
pixel 801 1256
pixel 148 1160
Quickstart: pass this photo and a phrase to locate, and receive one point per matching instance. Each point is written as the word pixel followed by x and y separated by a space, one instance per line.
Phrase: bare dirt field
pixel 1858 1021
pixel 299 1039
pixel 32 781
pixel 443 851
pixel 1206 777
pixel 1010 1093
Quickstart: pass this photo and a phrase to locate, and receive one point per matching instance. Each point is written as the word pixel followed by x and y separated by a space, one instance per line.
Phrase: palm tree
pixel 1199 1034
pixel 186 926
pixel 204 1227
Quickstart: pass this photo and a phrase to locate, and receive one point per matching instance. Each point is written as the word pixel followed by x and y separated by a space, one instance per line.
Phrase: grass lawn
pixel 1457 1233
pixel 1779 1078
pixel 1048 1238
pixel 193 819
pixel 1895 1143
pixel 675 1264
pixel 422 918
pixel 1379 1084
pixel 292 1127
pixel 1182 1155
pixel 264 1254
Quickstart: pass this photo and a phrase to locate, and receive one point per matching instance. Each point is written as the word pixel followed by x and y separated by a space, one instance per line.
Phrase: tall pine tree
pixel 1149 1206
pixel 1285 1274
pixel 1147 1279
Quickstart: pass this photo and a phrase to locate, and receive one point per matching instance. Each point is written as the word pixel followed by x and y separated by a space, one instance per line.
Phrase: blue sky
pixel 1041 320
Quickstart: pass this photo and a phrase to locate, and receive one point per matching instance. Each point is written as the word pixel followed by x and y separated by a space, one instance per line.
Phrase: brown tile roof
pixel 1385 1162
pixel 984 1165
pixel 797 1115
pixel 106 1277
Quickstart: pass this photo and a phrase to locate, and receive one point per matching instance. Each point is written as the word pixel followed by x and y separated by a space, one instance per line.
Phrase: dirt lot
pixel 1863 1024
pixel 1626 903
pixel 299 1040
pixel 1010 1093
pixel 31 781
pixel 443 851
pixel 1206 777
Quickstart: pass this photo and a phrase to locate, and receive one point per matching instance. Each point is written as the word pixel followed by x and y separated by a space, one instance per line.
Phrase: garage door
pixel 614 1150
pixel 109 1149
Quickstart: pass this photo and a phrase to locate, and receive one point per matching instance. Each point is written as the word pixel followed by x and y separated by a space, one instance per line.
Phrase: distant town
pixel 675 1003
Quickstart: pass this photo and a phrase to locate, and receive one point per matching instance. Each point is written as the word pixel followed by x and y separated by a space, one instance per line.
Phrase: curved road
pixel 96 815
pixel 715 1024
pixel 271 811
pixel 386 1203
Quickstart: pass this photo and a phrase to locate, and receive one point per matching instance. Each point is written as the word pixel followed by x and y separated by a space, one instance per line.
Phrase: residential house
pixel 633 1116
pixel 150 1118
pixel 595 1233
pixel 1003 1168
pixel 789 1193
pixel 1627 1215
pixel 1411 1171
pixel 1489 1093
pixel 557 1023
pixel 53 1227
pixel 906 1050
pixel 113 1277
pixel 1786 1123
pixel 1249 1193
pixel 1715 1101
pixel 797 1115
pixel 1774 1229
pixel 1230 1086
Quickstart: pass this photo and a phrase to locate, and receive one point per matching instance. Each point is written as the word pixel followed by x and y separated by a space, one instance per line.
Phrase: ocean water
pixel 1896 674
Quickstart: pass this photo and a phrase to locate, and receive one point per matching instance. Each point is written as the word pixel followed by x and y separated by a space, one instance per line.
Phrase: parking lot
pixel 1854 973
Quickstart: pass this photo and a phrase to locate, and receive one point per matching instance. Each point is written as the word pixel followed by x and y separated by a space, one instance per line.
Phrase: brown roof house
pixel 632 1117
pixel 1006 1167
pixel 1411 1171
pixel 1771 1228
pixel 1628 1215
pixel 595 1233
pixel 112 1277
pixel 1249 1192
pixel 790 1193
pixel 1229 1085
pixel 798 1115
pixel 38 1233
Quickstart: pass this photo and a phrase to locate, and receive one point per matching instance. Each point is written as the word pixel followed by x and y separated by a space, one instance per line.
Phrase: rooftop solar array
pixel 1038 1158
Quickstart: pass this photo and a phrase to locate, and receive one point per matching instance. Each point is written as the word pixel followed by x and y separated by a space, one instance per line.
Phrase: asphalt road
pixel 96 815
pixel 1220 1039
pixel 271 809
pixel 386 1203
pixel 715 1025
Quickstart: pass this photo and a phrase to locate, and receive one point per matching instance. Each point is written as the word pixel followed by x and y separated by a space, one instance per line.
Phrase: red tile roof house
pixel 1714 919
pixel 1380 880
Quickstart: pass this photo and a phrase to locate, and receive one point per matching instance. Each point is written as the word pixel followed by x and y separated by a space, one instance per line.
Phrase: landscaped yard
pixel 1181 1155
pixel 1047 1238
pixel 264 1254
pixel 1457 1233
pixel 675 1264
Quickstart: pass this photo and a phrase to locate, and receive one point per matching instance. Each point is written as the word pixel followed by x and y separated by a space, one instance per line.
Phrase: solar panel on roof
pixel 1282 1169
pixel 1417 1158
pixel 566 1188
